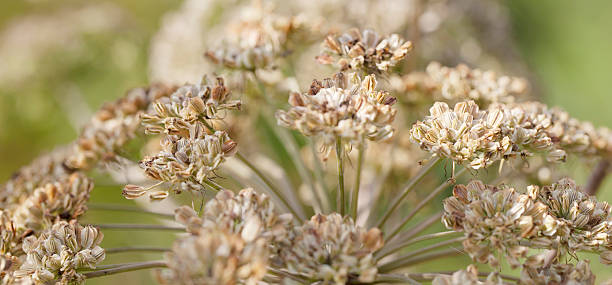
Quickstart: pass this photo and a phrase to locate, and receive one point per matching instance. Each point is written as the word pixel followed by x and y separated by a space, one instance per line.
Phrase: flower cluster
pixel 215 256
pixel 249 214
pixel 477 137
pixel 185 162
pixel 364 50
pixel 257 40
pixel 174 115
pixel 348 109
pixel 112 127
pixel 59 253
pixel 558 217
pixel 493 219
pixel 558 274
pixel 333 249
pixel 579 221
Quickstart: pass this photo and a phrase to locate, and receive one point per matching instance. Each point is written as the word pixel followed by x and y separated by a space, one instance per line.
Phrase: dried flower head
pixel 185 162
pixel 493 220
pixel 478 138
pixel 190 103
pixel 215 256
pixel 580 221
pixel 64 199
pixel 112 127
pixel 332 249
pixel 348 109
pixel 59 253
pixel 558 274
pixel 467 276
pixel 249 214
pixel 364 50
pixel 463 83
pixel 257 40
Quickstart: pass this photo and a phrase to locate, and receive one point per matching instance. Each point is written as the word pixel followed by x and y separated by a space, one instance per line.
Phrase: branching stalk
pixel 340 194
pixel 418 259
pixel 357 184
pixel 407 189
pixel 424 202
pixel 401 245
pixel 122 208
pixel 412 254
pixel 139 227
pixel 135 249
pixel 125 268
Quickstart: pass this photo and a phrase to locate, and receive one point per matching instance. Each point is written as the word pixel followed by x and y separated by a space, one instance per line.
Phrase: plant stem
pixel 269 185
pixel 597 177
pixel 340 194
pixel 319 176
pixel 122 208
pixel 139 227
pixel 418 259
pixel 412 254
pixel 424 202
pixel 409 242
pixel 135 248
pixel 357 184
pixel 213 185
pixel 406 190
pixel 126 268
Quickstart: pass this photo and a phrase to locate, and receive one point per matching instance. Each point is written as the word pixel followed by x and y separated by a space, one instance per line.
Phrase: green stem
pixel 407 189
pixel 320 177
pixel 340 194
pixel 424 202
pixel 126 268
pixel 213 185
pixel 135 248
pixel 418 259
pixel 269 185
pixel 139 227
pixel 409 242
pixel 357 184
pixel 122 208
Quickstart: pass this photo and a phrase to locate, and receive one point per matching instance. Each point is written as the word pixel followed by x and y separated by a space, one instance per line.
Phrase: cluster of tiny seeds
pixel 479 138
pixel 364 50
pixel 257 42
pixel 558 273
pixel 333 249
pixel 349 109
pixel 59 253
pixel 502 220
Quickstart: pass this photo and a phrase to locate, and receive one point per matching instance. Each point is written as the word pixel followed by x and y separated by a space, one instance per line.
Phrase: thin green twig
pixel 357 184
pixel 340 159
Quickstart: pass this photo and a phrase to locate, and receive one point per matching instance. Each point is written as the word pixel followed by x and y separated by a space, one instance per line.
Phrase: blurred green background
pixel 566 44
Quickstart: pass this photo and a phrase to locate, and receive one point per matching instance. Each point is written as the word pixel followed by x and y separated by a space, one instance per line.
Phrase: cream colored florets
pixel 348 109
pixel 215 256
pixel 364 50
pixel 332 249
pixel 59 253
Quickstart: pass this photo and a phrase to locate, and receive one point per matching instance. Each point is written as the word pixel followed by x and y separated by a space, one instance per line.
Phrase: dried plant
pixel 338 186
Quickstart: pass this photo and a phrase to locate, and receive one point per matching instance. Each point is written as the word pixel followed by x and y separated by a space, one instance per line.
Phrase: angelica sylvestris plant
pixel 269 173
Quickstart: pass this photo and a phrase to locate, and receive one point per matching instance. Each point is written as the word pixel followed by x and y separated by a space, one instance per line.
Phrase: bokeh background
pixel 61 59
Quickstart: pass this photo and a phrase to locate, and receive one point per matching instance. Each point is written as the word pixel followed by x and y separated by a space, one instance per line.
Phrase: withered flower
pixel 467 276
pixel 493 220
pixel 215 256
pixel 345 108
pixel 59 253
pixel 558 274
pixel 364 50
pixel 332 249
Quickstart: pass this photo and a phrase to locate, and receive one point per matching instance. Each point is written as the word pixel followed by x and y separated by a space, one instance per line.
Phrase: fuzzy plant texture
pixel 320 142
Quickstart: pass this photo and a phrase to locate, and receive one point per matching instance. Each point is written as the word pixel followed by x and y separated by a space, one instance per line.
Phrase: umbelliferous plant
pixel 350 178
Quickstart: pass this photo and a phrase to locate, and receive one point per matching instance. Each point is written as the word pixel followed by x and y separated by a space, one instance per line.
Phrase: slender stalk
pixel 597 177
pixel 435 218
pixel 409 242
pixel 357 184
pixel 135 248
pixel 340 194
pixel 424 202
pixel 125 268
pixel 213 185
pixel 282 273
pixel 122 208
pixel 407 189
pixel 269 185
pixel 139 227
pixel 413 254
pixel 320 177
pixel 418 259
